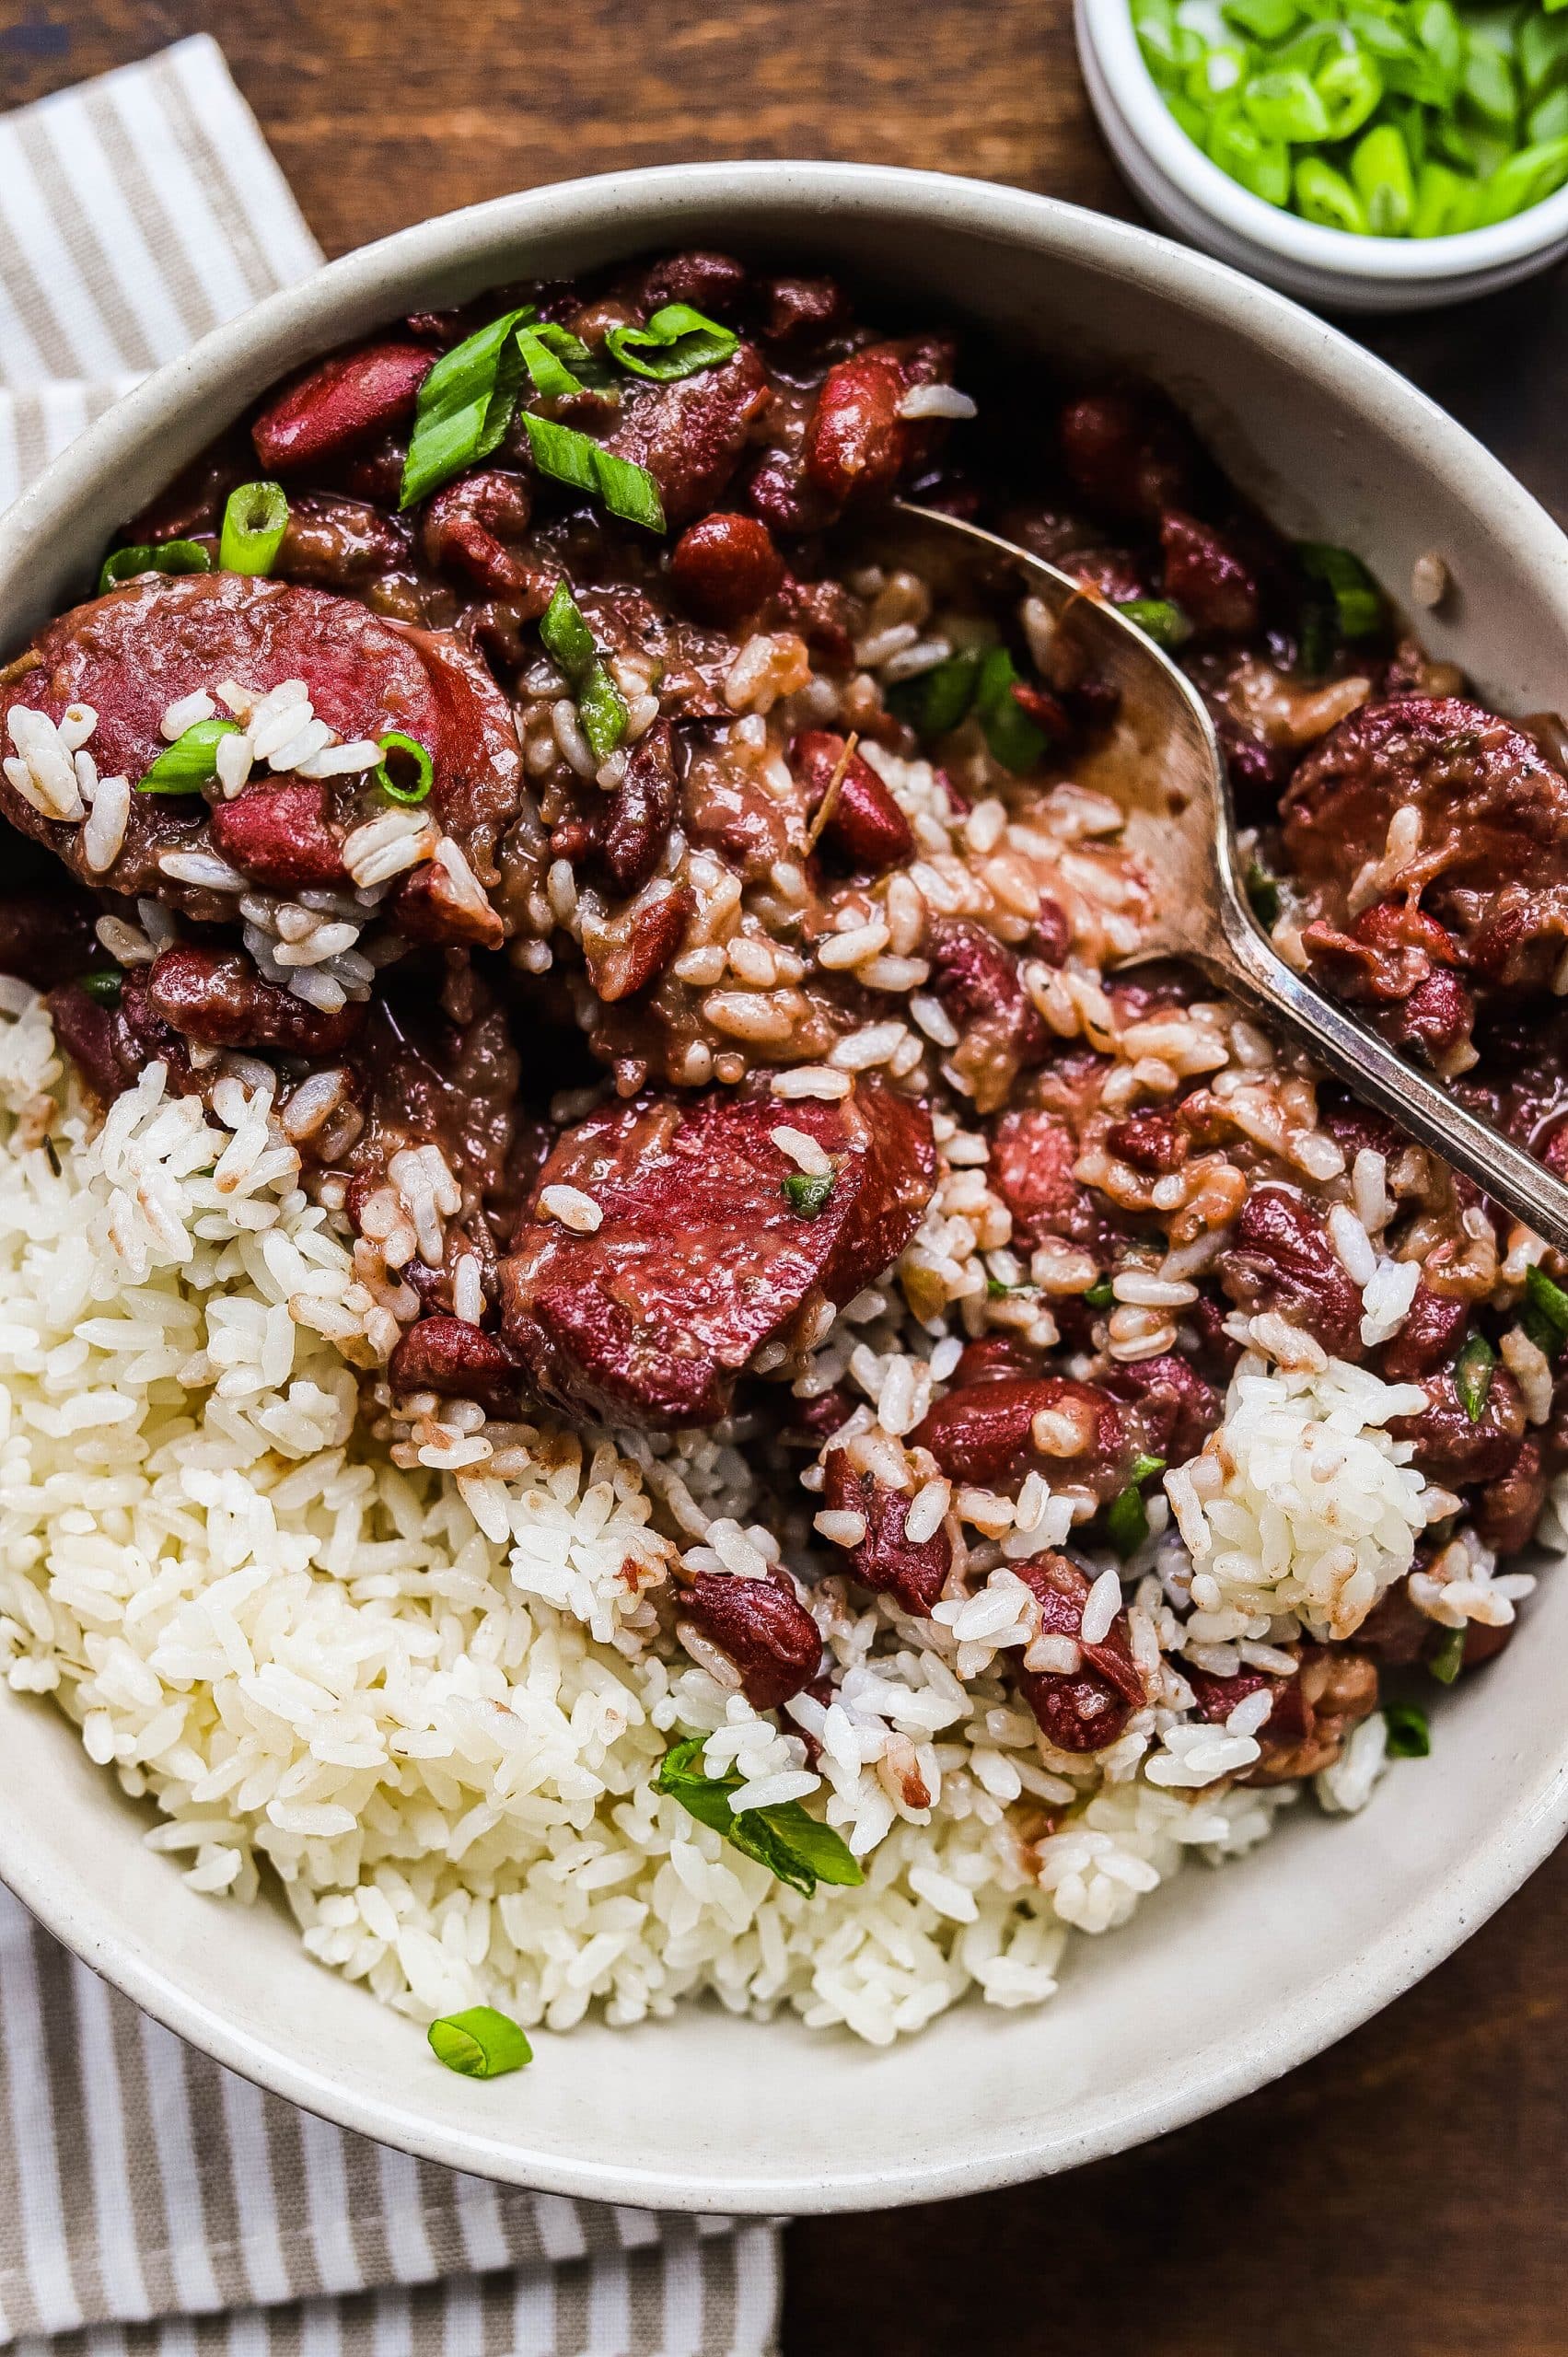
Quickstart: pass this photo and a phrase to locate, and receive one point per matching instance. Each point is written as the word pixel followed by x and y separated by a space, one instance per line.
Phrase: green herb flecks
pixel 677 342
pixel 1473 1376
pixel 936 700
pixel 1371 118
pixel 405 771
pixel 1127 1516
pixel 1101 1294
pixel 1263 892
pixel 1545 1316
pixel 468 402
pixel 255 519
pixel 1014 739
pixel 806 1192
pixel 1445 1663
pixel 1160 619
pixel 105 985
pixel 480 2043
pixel 1410 1735
pixel 164 556
pixel 191 762
pixel 601 706
pixel 1358 602
pixel 798 1848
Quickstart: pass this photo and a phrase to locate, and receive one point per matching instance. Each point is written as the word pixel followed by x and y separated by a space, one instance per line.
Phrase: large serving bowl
pixel 1226 1979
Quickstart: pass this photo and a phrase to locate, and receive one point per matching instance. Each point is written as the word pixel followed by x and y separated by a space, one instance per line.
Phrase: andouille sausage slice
pixel 132 653
pixel 701 1255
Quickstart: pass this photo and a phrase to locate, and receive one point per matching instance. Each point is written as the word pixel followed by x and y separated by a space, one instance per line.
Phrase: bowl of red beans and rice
pixel 653 1385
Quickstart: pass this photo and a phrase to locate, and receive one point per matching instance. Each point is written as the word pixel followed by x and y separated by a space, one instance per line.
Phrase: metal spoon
pixel 1182 824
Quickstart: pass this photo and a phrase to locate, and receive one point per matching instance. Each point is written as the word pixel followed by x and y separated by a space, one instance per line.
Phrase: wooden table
pixel 1403 2195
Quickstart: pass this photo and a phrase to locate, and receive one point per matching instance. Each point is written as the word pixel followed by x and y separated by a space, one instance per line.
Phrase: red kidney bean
pixel 1430 1334
pixel 635 825
pixel 714 282
pixel 1151 1142
pixel 1170 1402
pixel 763 1628
pixel 1080 1709
pixel 1131 454
pixel 1453 1448
pixel 726 566
pixel 1508 1509
pixel 460 1361
pixel 341 404
pixel 217 996
pixel 1208 577
pixel 341 543
pixel 886 1560
pixel 1281 1260
pixel 691 435
pixel 983 1434
pixel 865 826
pixel 280 836
pixel 469 523
pixel 857 444
pixel 802 310
pixel 656 934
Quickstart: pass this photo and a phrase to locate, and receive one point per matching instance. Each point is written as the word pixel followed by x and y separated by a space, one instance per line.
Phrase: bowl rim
pixel 1106 27
pixel 649 205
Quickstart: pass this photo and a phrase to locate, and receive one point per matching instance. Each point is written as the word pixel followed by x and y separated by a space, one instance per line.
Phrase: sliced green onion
pixel 465 406
pixel 191 762
pixel 1351 89
pixel 1410 1731
pixel 1127 1517
pixel 1358 601
pixel 933 702
pixel 1012 735
pixel 1265 19
pixel 105 985
pixel 601 708
pixel 1380 170
pixel 1285 106
pixel 1445 201
pixel 1548 119
pixel 1263 892
pixel 1222 68
pixel 548 372
pixel 677 342
pixel 1101 1294
pixel 1446 1662
pixel 164 556
pixel 1160 619
pixel 1541 52
pixel 480 2043
pixel 1473 1376
pixel 627 490
pixel 254 521
pixel 1489 85
pixel 808 1191
pixel 1528 177
pixel 996 1290
pixel 398 785
pixel 1260 164
pixel 1546 1312
pixel 1327 197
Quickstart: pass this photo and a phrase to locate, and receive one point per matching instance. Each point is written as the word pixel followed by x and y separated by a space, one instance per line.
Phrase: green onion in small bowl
pixel 1376 154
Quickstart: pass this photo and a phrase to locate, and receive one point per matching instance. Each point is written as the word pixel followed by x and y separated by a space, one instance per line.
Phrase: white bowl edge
pixel 708 2113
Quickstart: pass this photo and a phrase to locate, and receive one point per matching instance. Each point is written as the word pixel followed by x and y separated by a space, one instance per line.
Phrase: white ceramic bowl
pixel 1192 196
pixel 1220 1982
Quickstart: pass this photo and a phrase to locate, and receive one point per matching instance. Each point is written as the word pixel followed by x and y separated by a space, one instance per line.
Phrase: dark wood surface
pixel 1403 2194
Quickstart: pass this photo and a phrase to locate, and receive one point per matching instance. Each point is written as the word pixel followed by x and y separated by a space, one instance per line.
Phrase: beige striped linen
pixel 152 2204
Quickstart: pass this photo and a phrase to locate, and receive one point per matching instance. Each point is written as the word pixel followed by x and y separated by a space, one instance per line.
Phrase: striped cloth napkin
pixel 150 2201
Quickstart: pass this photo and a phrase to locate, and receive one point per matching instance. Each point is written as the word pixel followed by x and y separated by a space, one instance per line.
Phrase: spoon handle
pixel 1357 1055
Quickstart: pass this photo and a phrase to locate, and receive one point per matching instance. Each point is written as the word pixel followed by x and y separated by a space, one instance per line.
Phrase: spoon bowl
pixel 1167 769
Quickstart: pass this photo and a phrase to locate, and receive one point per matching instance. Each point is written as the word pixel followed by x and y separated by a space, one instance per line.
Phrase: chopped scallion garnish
pixel 806 1192
pixel 1101 1294
pixel 1473 1376
pixel 601 708
pixel 105 985
pixel 1263 892
pixel 1160 619
pixel 1127 1517
pixel 1546 1312
pixel 1358 601
pixel 191 762
pixel 164 556
pixel 677 342
pixel 627 490
pixel 480 2043
pixel 933 702
pixel 1012 735
pixel 254 521
pixel 405 771
pixel 1409 1731
pixel 1446 1662
pixel 800 1850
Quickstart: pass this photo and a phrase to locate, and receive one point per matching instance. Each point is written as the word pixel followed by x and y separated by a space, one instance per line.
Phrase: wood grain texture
pixel 1402 2195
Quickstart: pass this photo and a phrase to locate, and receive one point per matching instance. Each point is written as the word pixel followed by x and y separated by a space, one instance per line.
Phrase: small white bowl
pixel 1192 196
pixel 1222 1982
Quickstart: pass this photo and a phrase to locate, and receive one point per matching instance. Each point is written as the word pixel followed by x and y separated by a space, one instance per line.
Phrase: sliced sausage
pixel 341 404
pixel 1085 1708
pixel 700 1255
pixel 913 1572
